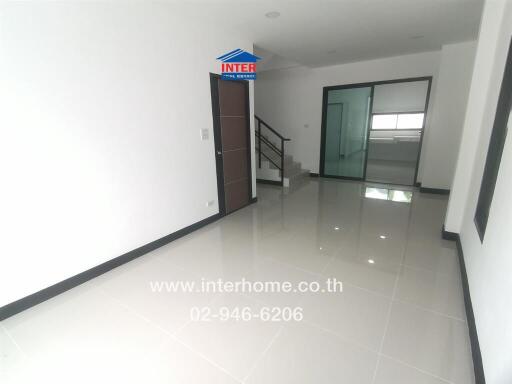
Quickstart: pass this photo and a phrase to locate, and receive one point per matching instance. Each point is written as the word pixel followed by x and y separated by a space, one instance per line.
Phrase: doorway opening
pixel 373 131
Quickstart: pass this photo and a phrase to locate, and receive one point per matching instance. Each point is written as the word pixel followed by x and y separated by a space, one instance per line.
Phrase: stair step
pixel 292 169
pixel 288 165
pixel 296 179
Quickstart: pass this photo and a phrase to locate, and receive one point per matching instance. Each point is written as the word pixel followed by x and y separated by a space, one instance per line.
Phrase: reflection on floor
pixel 392 172
pixel 399 320
pixel 388 194
pixel 348 166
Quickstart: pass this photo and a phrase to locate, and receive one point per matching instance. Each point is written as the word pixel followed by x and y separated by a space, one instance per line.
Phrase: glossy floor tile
pixel 433 254
pixel 305 354
pixel 11 356
pixel 355 315
pixel 367 272
pixel 399 317
pixel 429 341
pixel 235 345
pixel 439 293
pixel 391 371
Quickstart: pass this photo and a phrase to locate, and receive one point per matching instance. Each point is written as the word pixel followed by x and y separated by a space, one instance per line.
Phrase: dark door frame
pixel 219 163
pixel 371 84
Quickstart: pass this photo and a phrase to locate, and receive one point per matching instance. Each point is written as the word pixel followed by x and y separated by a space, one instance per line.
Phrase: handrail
pixel 271 129
pixel 263 140
pixel 269 144
pixel 269 159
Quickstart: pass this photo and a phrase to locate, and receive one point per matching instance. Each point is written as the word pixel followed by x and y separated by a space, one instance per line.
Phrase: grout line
pixel 18 347
pixel 416 368
pixel 134 312
pixel 277 261
pixel 426 270
pixel 326 266
pixel 386 326
pixel 174 337
pixel 213 363
pixel 362 346
pixel 388 316
pixel 338 336
pixel 263 354
pixel 381 295
pixel 189 321
pixel 375 293
pixel 170 335
pixel 316 326
pixel 430 310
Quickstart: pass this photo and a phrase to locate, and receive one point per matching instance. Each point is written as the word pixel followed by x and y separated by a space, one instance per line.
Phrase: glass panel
pixel 392 156
pixel 346 130
pixel 410 121
pixel 384 121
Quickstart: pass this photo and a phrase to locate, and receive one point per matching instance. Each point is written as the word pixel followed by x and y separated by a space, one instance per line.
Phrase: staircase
pixel 274 166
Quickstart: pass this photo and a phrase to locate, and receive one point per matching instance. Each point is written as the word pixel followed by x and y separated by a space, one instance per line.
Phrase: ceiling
pixel 319 32
pixel 270 60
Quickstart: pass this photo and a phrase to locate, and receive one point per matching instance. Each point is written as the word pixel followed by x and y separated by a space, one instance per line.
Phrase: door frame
pixel 371 84
pixel 217 136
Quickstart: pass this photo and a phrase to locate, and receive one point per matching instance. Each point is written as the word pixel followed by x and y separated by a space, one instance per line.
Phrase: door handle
pixel 219 153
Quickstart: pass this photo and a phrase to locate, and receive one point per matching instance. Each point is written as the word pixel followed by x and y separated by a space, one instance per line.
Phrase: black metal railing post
pixel 259 143
pixel 282 162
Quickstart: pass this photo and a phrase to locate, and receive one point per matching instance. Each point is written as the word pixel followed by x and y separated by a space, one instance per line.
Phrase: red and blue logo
pixel 238 65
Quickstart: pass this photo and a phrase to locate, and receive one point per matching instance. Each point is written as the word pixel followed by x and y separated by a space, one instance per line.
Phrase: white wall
pixel 447 114
pixel 488 264
pixel 291 99
pixel 102 105
pixel 480 92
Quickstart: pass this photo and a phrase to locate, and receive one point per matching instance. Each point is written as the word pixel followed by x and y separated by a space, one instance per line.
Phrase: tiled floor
pixel 400 317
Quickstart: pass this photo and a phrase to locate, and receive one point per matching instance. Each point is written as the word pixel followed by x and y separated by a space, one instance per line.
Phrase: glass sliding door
pixel 345 132
pixel 398 118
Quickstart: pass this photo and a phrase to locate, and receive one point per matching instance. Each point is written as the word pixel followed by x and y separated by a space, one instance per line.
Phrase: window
pixel 384 121
pixel 495 150
pixel 398 121
pixel 410 121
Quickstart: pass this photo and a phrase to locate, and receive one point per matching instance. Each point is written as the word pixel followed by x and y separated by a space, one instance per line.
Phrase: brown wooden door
pixel 232 142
